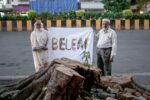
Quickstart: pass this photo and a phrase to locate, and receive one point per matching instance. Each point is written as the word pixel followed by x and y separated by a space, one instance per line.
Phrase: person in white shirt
pixel 106 47
pixel 39 39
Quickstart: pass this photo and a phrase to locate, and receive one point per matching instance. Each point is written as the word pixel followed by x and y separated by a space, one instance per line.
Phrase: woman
pixel 39 39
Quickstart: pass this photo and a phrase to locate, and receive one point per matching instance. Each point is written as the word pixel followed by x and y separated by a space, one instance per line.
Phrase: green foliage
pixel 89 15
pixel 115 5
pixel 45 15
pixel 141 16
pixel 21 17
pixel 8 18
pixel 118 15
pixel 31 14
pixel 128 14
pixel 50 17
pixel 72 15
pixel 68 15
pixel 98 16
pixel 112 15
pixel 64 15
pixel 109 15
pixel 85 57
pixel 79 14
pixel 1 17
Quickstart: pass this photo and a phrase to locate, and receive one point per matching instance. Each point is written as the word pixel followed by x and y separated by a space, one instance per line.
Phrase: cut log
pixel 62 80
pixel 66 79
pixel 110 81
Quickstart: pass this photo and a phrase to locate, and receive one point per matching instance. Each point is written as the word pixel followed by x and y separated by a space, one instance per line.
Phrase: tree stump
pixel 62 80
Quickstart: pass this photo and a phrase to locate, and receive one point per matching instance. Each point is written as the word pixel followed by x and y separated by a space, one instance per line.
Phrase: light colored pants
pixel 40 59
pixel 103 60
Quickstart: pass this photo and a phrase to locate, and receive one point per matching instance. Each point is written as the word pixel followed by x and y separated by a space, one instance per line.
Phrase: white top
pixel 39 38
pixel 107 39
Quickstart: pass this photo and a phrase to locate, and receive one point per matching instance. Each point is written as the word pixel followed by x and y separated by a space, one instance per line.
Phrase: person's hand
pixel 36 49
pixel 111 59
pixel 44 48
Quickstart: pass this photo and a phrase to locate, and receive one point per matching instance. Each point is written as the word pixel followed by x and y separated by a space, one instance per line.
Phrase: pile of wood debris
pixel 66 79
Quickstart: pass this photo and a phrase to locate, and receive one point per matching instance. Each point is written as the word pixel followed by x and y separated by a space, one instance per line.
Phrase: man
pixel 39 39
pixel 106 47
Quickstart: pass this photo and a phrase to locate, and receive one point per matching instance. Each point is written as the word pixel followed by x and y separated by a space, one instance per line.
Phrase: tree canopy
pixel 116 5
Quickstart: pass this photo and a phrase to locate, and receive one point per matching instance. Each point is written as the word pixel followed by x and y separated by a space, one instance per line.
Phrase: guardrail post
pixel 29 25
pixel 127 24
pixel 136 24
pixel 48 23
pixel 19 25
pixel 117 24
pixel 98 24
pixel 88 23
pixel 68 23
pixel 58 23
pixel 9 25
pixel 78 23
pixel 146 24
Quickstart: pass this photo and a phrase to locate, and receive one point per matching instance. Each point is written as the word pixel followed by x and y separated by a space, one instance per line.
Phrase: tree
pixel 141 3
pixel 116 5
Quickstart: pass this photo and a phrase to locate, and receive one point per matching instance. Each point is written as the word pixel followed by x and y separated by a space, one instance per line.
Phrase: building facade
pixel 15 5
pixel 91 5
pixel 135 7
pixel 53 6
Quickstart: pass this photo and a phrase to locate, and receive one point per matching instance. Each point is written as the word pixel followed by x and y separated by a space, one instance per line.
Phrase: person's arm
pixel 33 43
pixel 97 34
pixel 46 41
pixel 114 46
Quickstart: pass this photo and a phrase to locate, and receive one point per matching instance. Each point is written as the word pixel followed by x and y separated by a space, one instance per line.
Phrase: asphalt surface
pixel 133 54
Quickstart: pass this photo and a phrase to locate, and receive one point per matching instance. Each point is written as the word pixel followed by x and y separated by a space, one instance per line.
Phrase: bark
pixel 62 80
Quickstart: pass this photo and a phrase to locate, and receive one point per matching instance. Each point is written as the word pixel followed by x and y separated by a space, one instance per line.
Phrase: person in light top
pixel 106 47
pixel 39 40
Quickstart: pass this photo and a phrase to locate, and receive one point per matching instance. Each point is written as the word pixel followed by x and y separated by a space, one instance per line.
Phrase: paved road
pixel 133 55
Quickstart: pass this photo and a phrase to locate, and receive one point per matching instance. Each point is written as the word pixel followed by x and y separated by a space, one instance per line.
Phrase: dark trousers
pixel 103 60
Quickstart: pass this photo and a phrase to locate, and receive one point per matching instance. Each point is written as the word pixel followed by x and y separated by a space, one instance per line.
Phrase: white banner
pixel 70 43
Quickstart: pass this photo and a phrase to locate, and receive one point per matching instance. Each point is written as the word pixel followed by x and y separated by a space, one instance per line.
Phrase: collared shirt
pixel 107 39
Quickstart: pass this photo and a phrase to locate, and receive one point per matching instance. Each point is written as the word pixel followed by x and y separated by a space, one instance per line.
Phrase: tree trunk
pixel 62 80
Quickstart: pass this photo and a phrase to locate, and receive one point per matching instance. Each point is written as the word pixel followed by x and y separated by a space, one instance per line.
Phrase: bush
pixel 44 15
pixel 89 15
pixel 72 15
pixel 31 14
pixel 141 16
pixel 50 16
pixel 63 15
pixel 79 14
pixel 0 17
pixel 21 17
pixel 109 15
pixel 118 15
pixel 6 17
pixel 128 14
pixel 98 16
pixel 146 16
